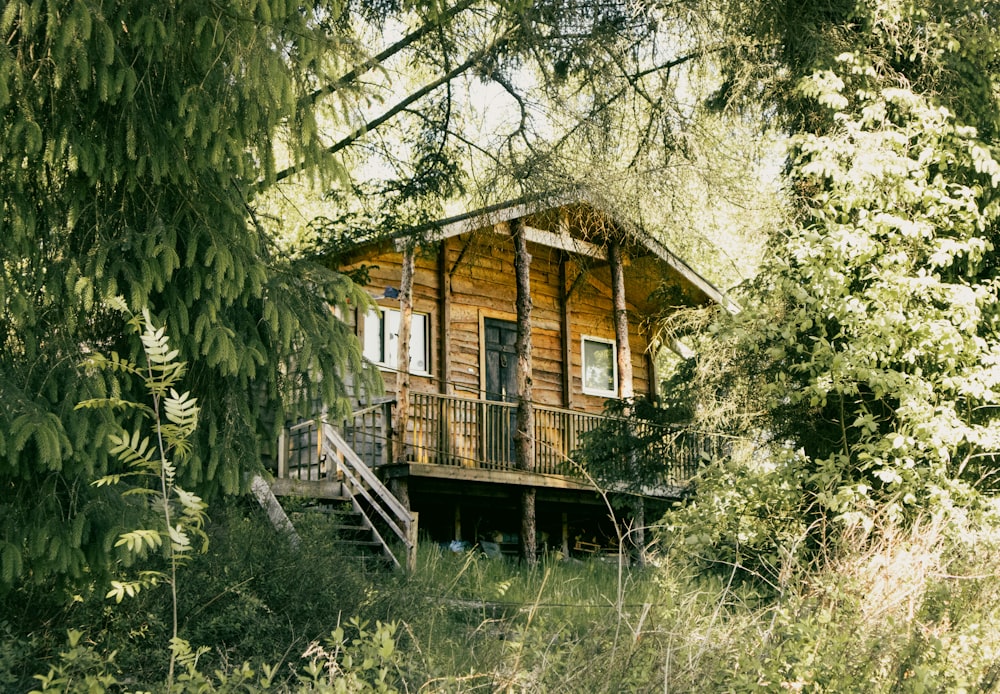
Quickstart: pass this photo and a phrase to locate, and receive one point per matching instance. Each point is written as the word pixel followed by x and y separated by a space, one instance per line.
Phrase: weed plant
pixel 897 610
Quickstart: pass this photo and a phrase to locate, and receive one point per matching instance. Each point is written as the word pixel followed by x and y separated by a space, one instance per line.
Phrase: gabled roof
pixel 573 224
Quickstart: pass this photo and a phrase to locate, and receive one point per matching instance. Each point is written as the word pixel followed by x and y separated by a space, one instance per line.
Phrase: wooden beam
pixel 461 255
pixel 626 386
pixel 563 242
pixel 581 277
pixel 444 320
pixel 269 502
pixel 600 286
pixel 565 334
pixel 524 437
pixel 403 360
pixel 313 489
pixel 517 478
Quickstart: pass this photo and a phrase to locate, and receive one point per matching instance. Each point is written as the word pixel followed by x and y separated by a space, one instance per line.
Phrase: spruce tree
pixel 131 136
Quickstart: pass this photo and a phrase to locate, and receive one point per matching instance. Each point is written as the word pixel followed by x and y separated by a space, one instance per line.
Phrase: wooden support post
pixel 400 488
pixel 414 535
pixel 565 535
pixel 652 377
pixel 566 335
pixel 524 437
pixel 458 522
pixel 444 320
pixel 269 502
pixel 283 453
pixel 403 358
pixel 626 385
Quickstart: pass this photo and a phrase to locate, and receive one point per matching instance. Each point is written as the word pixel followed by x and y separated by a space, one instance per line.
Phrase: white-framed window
pixel 600 366
pixel 381 339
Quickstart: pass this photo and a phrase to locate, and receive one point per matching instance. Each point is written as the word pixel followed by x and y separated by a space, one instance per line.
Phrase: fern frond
pixel 117 303
pixel 182 410
pixel 179 541
pixel 113 404
pixel 140 491
pixel 115 364
pixel 134 452
pixel 136 541
pixel 121 589
pixel 155 342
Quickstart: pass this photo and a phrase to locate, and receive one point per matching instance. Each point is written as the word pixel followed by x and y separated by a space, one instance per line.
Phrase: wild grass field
pixel 912 611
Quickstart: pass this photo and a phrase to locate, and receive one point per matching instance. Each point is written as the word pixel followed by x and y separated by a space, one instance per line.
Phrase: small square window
pixel 381 339
pixel 600 367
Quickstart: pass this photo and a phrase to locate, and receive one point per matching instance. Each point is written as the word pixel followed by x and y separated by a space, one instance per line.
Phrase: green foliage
pixel 882 355
pixel 152 469
pixel 643 444
pixel 745 520
pixel 910 611
pixel 79 669
pixel 870 339
pixel 358 659
pixel 945 49
pixel 132 135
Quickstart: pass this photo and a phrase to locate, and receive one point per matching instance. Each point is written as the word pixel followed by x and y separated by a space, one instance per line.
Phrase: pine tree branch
pixel 400 106
pixel 392 50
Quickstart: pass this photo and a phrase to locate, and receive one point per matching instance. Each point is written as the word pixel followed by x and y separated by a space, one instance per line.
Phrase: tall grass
pixel 915 610
pixel 912 609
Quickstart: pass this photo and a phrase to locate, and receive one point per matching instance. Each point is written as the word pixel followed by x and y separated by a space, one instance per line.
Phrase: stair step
pixel 352 529
pixel 358 543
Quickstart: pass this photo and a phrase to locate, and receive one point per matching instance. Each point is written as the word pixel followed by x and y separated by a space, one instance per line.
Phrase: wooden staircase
pixel 351 532
pixel 337 477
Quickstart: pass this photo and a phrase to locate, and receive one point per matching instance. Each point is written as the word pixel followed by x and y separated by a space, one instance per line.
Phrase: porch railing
pixel 465 432
pixel 449 430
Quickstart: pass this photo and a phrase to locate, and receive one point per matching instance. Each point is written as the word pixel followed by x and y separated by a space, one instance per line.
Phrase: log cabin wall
pixel 478 271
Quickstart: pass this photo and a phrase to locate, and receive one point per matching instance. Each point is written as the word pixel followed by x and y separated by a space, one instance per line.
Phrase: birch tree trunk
pixel 524 436
pixel 626 385
pixel 402 415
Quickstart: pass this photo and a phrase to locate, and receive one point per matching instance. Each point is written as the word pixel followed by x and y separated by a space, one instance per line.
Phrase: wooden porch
pixel 470 439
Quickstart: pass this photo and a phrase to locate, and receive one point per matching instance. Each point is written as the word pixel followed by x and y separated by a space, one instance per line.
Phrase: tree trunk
pixel 402 415
pixel 626 385
pixel 524 436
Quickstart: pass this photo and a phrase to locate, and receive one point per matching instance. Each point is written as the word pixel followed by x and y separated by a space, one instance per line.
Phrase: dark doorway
pixel 500 343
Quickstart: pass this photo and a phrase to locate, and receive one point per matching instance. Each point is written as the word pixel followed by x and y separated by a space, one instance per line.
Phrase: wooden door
pixel 500 344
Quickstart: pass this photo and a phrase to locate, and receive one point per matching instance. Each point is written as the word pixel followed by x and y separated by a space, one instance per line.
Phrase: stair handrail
pixel 361 481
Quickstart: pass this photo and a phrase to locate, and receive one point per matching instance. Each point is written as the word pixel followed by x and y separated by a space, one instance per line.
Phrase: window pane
pixel 598 366
pixel 390 323
pixel 418 343
pixel 372 348
pixel 381 341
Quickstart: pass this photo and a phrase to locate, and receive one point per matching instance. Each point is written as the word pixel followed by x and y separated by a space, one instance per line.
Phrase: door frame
pixel 484 443
pixel 485 313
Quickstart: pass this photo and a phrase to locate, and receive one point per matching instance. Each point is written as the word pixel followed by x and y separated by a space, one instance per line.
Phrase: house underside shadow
pixel 569 522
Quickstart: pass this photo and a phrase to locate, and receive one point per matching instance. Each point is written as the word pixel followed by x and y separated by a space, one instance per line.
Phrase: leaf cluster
pixel 132 137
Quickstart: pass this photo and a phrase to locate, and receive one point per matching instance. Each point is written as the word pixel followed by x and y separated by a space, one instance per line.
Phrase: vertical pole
pixel 564 320
pixel 626 386
pixel 403 354
pixel 565 535
pixel 283 453
pixel 524 437
pixel 444 321
pixel 411 549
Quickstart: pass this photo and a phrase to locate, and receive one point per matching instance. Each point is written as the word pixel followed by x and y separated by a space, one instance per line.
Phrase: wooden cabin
pixel 451 456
